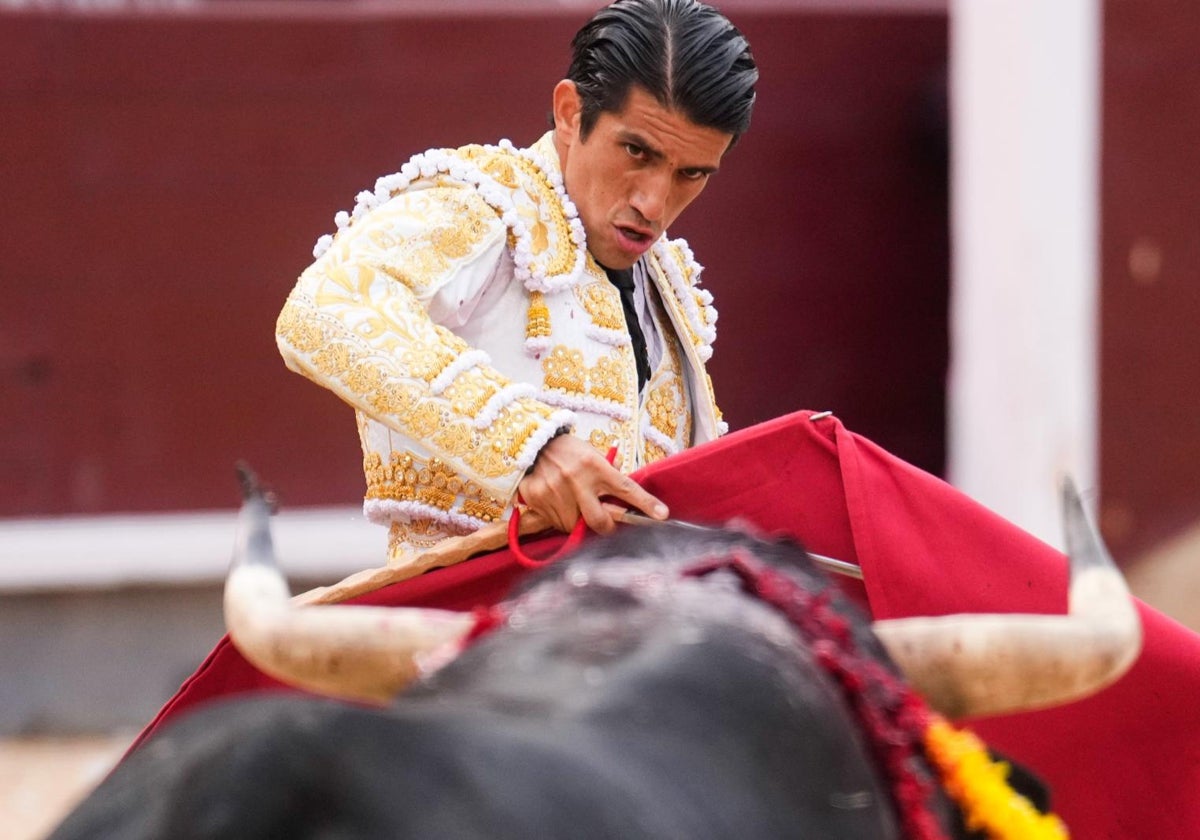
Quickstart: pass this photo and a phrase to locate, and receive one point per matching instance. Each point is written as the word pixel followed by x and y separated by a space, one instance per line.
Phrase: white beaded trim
pixel 696 302
pixel 387 511
pixel 616 338
pixel 594 405
pixel 537 345
pixel 542 436
pixel 500 400
pixel 464 362
pixel 656 437
pixel 435 161
pixel 544 283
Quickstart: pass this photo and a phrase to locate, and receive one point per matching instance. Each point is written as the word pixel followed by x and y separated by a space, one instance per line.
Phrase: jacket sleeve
pixel 357 323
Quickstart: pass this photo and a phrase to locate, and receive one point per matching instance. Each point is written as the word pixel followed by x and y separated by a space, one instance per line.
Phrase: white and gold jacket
pixel 458 311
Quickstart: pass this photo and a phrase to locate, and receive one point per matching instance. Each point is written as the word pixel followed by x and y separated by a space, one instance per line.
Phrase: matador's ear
pixel 567 110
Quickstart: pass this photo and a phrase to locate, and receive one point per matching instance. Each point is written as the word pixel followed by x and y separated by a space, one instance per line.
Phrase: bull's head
pixel 964 665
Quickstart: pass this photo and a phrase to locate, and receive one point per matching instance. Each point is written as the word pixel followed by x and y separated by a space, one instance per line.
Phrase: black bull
pixel 620 698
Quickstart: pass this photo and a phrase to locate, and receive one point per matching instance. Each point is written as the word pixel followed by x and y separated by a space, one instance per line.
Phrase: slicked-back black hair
pixel 685 54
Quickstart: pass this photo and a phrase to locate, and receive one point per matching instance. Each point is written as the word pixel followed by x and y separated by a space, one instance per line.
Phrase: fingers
pixel 596 515
pixel 559 512
pixel 629 491
pixel 570 479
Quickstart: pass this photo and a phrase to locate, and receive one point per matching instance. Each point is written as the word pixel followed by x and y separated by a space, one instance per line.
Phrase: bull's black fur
pixel 640 707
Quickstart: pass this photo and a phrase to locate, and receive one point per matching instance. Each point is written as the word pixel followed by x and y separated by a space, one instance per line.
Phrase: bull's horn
pixel 366 653
pixel 968 665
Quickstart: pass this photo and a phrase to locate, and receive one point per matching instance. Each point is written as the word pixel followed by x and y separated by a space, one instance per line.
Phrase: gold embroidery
pixel 376 380
pixel 469 394
pixel 602 302
pixel 425 361
pixel 455 240
pixel 664 407
pixel 364 377
pixel 515 424
pixel 302 335
pixel 488 460
pixel 538 203
pixel 500 169
pixel 671 300
pixel 602 440
pixel 537 322
pixel 652 452
pixel 488 511
pixel 407 478
pixel 332 359
pixel 407 539
pixel 383 239
pixel 675 303
pixel 424 419
pixel 549 204
pixel 539 234
pixel 448 227
pixel 564 369
pixel 610 378
pixel 457 437
pixel 395 398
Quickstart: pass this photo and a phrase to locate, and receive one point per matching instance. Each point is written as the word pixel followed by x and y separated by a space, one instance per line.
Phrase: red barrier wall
pixel 1150 256
pixel 167 175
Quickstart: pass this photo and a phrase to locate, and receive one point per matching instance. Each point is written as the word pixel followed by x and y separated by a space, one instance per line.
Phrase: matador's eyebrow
pixel 633 138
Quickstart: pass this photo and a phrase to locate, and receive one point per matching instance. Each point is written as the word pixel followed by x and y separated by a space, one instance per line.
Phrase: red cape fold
pixel 1122 764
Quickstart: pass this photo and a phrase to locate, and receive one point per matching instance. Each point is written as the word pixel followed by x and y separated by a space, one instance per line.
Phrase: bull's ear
pixel 362 653
pixel 970 665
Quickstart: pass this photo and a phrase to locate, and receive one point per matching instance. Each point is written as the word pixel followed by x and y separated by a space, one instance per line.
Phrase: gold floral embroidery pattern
pixel 539 234
pixel 426 361
pixel 652 452
pixel 550 210
pixel 513 426
pixel 406 478
pixel 454 222
pixel 564 370
pixel 620 434
pixel 468 395
pixel 609 379
pixel 602 440
pixel 399 391
pixel 395 398
pixel 602 303
pixel 665 408
pixel 541 210
pixel 407 539
pixel 364 378
pixel 498 166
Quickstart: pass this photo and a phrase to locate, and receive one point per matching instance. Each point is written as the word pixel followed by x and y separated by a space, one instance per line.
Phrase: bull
pixel 666 682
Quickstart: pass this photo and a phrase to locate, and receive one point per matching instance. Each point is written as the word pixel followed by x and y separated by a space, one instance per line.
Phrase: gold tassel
pixel 537 323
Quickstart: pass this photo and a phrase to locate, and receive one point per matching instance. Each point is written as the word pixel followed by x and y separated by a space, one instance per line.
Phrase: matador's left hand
pixel 569 479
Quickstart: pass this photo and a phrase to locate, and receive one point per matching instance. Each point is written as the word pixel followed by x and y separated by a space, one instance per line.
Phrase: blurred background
pixel 967 228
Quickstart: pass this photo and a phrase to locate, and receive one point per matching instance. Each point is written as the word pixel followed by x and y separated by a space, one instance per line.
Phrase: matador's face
pixel 635 172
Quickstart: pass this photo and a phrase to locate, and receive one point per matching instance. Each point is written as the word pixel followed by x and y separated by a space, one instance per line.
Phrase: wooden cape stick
pixel 446 553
